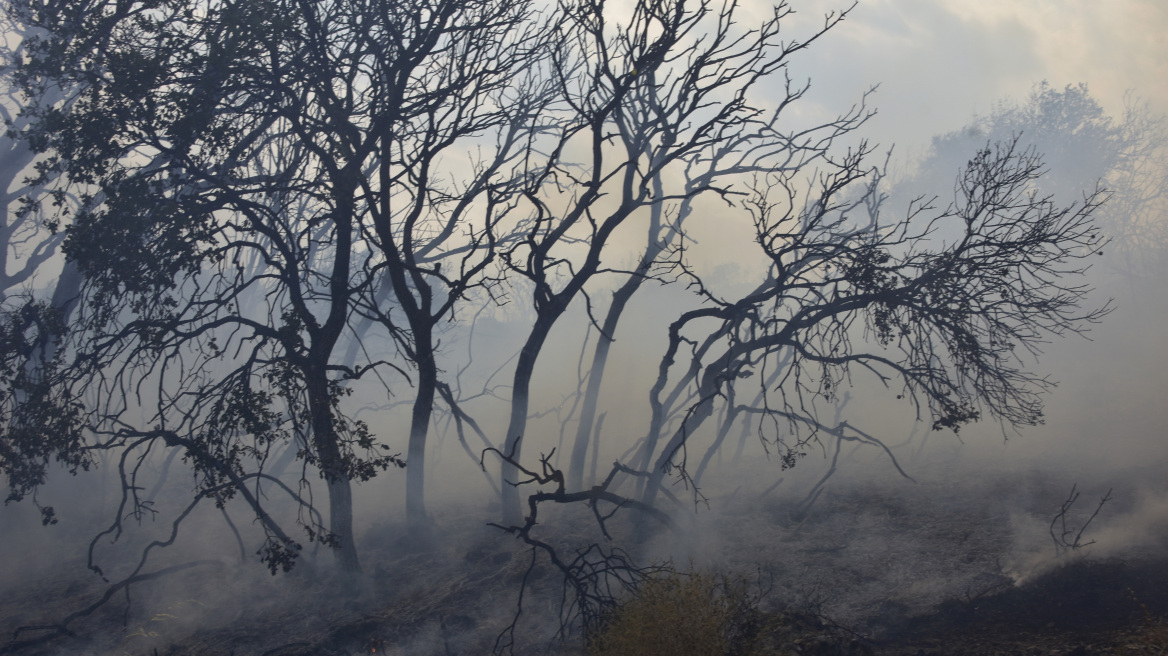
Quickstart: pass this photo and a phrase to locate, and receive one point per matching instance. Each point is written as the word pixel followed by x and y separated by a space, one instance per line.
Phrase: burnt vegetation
pixel 278 223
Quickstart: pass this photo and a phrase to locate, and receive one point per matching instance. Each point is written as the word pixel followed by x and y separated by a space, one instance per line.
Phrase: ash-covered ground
pixel 952 564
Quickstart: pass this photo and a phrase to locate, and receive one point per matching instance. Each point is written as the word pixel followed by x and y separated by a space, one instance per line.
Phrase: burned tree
pixel 261 184
pixel 219 234
pixel 940 306
pixel 266 183
pixel 658 109
pixel 595 577
pixel 463 76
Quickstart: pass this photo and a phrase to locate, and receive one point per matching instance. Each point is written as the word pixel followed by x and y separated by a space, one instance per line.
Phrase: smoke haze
pixel 849 535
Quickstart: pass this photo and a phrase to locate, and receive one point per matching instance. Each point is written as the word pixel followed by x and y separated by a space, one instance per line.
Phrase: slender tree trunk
pixel 659 409
pixel 591 397
pixel 742 437
pixel 419 428
pixel 332 467
pixel 417 309
pixel 324 342
pixel 595 376
pixel 520 401
pixel 620 299
pixel 703 411
pixel 723 430
pixel 732 413
pixel 596 447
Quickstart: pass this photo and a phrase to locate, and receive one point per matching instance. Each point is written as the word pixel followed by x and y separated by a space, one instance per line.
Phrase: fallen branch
pixel 595 576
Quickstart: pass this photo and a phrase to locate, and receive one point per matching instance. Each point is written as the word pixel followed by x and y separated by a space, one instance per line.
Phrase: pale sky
pixel 938 62
pixel 941 62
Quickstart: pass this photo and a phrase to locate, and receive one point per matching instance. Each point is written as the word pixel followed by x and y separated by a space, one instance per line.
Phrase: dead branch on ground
pixel 596 576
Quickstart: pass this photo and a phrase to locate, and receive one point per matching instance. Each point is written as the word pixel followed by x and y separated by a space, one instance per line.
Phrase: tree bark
pixel 700 413
pixel 520 401
pixel 341 523
pixel 332 467
pixel 419 428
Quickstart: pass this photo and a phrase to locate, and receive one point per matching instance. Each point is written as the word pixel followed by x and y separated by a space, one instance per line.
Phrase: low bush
pixel 689 613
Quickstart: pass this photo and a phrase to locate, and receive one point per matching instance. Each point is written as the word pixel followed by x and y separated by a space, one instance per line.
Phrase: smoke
pixel 1133 525
pixel 862 545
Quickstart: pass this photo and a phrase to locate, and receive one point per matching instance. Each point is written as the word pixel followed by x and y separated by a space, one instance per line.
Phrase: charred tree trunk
pixel 664 463
pixel 419 427
pixel 724 427
pixel 733 411
pixel 520 402
pixel 318 387
pixel 620 299
pixel 332 467
pixel 595 377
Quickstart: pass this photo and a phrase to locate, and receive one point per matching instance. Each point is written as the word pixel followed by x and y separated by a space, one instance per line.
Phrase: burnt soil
pixel 869 570
pixel 1083 607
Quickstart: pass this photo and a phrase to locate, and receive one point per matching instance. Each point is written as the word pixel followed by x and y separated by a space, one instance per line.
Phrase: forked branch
pixel 596 575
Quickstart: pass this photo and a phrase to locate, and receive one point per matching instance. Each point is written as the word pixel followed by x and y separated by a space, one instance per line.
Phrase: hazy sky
pixel 940 61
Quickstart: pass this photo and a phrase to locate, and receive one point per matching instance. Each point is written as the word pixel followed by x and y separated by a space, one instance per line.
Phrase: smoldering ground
pixel 872 555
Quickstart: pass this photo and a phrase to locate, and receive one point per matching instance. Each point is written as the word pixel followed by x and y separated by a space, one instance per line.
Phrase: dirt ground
pixel 929 569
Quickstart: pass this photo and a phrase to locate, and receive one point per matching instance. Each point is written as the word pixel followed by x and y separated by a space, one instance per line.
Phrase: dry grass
pixel 1151 638
pixel 684 613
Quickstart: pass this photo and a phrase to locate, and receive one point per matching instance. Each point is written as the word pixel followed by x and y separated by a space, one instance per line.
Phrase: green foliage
pixel 38 421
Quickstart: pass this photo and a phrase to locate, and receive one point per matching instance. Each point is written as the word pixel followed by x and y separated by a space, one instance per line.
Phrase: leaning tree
pixel 672 110
pixel 655 113
pixel 455 104
pixel 674 107
pixel 218 246
pixel 943 306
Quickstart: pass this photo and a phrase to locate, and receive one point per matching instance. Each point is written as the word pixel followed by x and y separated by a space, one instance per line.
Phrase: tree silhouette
pixel 221 242
pixel 1082 146
pixel 660 109
pixel 263 186
pixel 941 306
